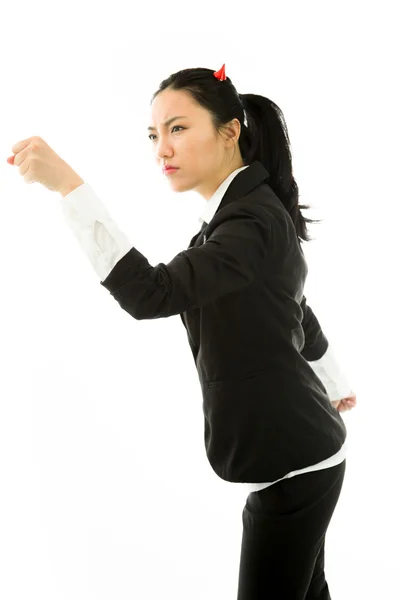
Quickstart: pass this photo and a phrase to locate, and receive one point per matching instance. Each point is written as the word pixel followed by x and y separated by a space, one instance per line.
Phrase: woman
pixel 252 331
pixel 272 391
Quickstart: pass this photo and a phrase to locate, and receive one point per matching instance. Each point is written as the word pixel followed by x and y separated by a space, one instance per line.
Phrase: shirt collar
pixel 212 204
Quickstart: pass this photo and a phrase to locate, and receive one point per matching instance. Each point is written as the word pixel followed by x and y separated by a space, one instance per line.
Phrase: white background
pixel 106 491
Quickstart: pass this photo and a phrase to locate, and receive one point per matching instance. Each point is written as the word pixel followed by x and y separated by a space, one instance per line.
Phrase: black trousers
pixel 283 543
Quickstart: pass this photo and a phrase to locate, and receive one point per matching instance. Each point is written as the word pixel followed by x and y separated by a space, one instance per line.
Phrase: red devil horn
pixel 221 73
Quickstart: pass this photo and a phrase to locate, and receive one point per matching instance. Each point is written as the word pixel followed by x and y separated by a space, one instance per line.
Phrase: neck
pixel 210 188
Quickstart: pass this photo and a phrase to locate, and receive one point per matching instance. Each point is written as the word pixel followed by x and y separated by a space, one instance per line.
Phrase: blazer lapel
pixel 197 239
pixel 240 186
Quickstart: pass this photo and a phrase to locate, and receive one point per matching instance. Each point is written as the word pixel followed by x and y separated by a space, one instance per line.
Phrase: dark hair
pixel 263 137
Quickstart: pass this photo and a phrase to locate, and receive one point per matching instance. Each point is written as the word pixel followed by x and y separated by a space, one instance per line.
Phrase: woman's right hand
pixel 345 403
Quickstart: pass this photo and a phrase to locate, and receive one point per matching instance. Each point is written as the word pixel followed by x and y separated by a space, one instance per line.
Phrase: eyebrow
pixel 168 122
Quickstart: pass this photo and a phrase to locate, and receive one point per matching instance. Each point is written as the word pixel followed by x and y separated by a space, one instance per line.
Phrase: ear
pixel 232 132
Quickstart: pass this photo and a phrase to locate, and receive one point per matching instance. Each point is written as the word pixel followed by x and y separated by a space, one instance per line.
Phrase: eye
pixel 180 127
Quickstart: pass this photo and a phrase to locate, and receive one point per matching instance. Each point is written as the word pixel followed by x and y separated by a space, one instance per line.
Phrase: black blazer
pixel 239 291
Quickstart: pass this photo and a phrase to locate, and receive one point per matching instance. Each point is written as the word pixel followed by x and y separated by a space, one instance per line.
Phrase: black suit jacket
pixel 239 291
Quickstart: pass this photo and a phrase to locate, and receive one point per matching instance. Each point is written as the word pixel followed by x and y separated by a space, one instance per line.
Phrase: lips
pixel 169 168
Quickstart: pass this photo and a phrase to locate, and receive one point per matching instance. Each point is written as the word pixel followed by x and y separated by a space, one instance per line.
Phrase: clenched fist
pixel 38 163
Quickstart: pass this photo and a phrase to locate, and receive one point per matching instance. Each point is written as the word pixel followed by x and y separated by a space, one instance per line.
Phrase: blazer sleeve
pixel 322 358
pixel 316 343
pixel 230 260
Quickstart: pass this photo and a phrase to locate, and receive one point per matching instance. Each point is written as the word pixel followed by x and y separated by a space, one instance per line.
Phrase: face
pixel 191 143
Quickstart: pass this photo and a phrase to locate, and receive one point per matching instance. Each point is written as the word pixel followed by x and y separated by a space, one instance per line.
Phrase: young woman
pixel 272 390
pixel 264 364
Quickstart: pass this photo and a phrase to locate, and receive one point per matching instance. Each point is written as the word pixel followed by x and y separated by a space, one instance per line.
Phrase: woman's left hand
pixel 345 403
pixel 38 163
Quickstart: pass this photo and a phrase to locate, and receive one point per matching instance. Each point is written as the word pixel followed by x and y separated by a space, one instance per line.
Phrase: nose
pixel 164 148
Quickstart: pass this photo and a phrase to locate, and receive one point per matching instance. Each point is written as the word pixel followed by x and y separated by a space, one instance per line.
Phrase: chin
pixel 179 186
pixel 179 189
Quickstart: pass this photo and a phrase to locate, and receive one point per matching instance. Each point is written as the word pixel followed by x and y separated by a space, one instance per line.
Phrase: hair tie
pixel 220 74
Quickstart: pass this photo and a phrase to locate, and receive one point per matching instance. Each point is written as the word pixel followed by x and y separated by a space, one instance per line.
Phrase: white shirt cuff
pixel 333 378
pixel 100 238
